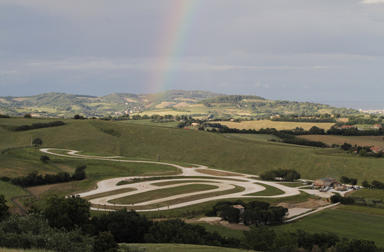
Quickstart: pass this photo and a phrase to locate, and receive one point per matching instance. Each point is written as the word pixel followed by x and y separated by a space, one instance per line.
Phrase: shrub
pixel 37 142
pixel 44 159
pixel 3 208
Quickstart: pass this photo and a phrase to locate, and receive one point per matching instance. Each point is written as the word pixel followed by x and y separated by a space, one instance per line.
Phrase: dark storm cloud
pixel 321 50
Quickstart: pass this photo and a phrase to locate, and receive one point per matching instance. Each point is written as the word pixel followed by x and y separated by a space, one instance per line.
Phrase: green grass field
pixel 369 194
pixel 9 191
pixel 180 145
pixel 147 247
pixel 346 221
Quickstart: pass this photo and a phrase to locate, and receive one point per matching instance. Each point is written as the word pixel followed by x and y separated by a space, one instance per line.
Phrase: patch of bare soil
pixel 217 173
pixel 311 203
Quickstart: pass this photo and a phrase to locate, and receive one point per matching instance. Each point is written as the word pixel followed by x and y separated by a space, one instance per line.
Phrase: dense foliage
pixel 3 208
pixel 65 224
pixel 253 213
pixel 281 174
pixel 374 185
pixel 37 126
pixel 35 179
pixel 347 180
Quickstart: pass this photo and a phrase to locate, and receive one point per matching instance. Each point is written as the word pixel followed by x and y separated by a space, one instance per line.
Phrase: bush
pixel 44 159
pixel 287 175
pixel 38 126
pixel 125 226
pixel 3 208
pixel 78 117
pixel 33 231
pixel 105 242
pixel 343 200
pixel 37 142
pixel 346 180
pixel 35 179
pixel 79 173
pixel 67 213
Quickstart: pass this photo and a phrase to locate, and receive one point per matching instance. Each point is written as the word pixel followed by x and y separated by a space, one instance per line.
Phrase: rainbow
pixel 173 42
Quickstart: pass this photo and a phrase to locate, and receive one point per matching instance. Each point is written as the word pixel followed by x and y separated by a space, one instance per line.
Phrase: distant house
pixel 347 127
pixel 326 182
pixel 195 124
pixel 377 149
pixel 240 207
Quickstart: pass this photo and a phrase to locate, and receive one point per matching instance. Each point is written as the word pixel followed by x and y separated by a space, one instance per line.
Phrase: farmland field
pixel 354 140
pixel 369 194
pixel 345 221
pixel 275 124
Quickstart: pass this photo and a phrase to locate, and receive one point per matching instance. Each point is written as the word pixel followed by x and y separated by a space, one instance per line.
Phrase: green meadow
pixel 180 145
pixel 352 222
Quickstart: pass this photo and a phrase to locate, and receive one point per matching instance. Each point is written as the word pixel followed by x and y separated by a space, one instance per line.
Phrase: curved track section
pixel 236 185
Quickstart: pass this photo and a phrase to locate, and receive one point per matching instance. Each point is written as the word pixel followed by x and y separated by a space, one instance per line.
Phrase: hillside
pixel 196 103
pixel 222 151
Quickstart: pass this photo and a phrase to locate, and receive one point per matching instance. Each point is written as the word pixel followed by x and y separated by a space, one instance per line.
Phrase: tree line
pixel 252 213
pixel 297 131
pixel 35 179
pixel 65 224
pixel 37 126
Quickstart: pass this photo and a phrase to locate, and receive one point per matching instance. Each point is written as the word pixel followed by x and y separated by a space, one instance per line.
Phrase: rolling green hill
pixel 197 103
pixel 221 151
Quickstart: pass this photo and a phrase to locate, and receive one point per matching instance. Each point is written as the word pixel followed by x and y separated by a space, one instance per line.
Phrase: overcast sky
pixel 329 51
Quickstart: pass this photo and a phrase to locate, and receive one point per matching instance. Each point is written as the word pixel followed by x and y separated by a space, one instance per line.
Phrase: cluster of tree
pixel 353 120
pixel 291 139
pixel 265 239
pixel 65 224
pixel 281 174
pixel 361 201
pixel 102 233
pixel 37 126
pixel 354 132
pixel 347 180
pixel 252 213
pixel 373 185
pixel 4 116
pixel 364 151
pixel 336 198
pixel 297 118
pixel 78 117
pixel 286 136
pixel 35 179
pixel 232 99
pixel 3 208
